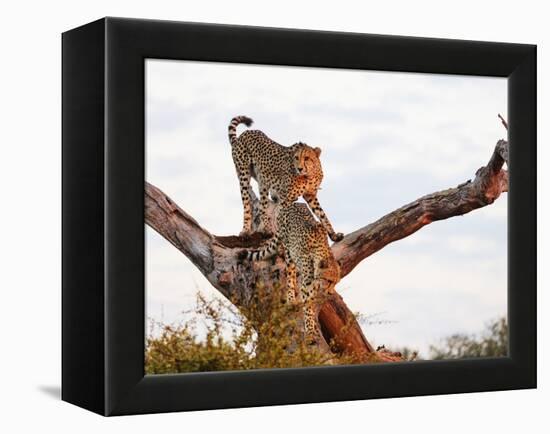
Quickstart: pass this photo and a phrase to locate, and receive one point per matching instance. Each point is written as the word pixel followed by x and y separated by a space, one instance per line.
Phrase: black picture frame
pixel 103 215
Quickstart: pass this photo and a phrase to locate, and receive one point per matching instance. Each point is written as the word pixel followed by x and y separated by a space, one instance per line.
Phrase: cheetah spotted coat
pixel 307 253
pixel 285 173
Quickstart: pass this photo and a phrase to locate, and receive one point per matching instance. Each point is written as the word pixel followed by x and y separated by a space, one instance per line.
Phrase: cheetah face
pixel 326 286
pixel 306 160
pixel 329 275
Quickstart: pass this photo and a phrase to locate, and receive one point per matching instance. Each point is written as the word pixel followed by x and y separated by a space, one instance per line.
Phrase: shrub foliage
pixel 493 342
pixel 220 337
pixel 217 336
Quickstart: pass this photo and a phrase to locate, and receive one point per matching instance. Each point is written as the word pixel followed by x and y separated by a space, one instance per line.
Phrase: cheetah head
pixel 330 274
pixel 306 160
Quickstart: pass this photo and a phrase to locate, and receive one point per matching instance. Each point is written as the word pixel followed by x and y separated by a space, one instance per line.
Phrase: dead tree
pixel 217 256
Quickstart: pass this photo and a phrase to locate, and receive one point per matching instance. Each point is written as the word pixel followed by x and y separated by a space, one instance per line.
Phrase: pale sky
pixel 387 139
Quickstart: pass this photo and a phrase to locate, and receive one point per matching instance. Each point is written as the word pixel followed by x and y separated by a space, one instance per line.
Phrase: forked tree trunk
pixel 217 257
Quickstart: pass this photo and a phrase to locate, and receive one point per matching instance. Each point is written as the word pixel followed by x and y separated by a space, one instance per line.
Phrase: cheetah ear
pixel 318 151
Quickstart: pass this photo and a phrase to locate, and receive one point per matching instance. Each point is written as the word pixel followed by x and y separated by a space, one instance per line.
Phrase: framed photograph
pixel 257 216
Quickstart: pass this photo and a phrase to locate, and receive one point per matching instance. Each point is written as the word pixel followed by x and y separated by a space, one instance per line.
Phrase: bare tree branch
pixel 179 228
pixel 489 182
pixel 217 259
pixel 503 121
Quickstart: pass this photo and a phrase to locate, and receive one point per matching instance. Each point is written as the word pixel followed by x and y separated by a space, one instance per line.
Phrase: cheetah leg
pixel 307 289
pixel 244 183
pixel 318 211
pixel 264 199
pixel 290 279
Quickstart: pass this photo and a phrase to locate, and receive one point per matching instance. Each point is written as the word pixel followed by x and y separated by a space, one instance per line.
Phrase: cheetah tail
pixel 269 249
pixel 232 129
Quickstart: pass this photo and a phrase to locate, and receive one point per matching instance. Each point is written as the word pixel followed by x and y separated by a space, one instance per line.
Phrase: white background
pixel 30 219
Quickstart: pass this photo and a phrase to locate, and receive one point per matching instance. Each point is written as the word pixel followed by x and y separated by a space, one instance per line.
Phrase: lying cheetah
pixel 307 252
pixel 284 172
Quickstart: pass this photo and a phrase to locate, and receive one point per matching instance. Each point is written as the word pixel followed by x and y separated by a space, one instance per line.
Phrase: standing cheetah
pixel 307 252
pixel 284 172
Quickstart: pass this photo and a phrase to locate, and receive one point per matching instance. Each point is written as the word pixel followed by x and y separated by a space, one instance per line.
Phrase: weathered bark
pixel 217 257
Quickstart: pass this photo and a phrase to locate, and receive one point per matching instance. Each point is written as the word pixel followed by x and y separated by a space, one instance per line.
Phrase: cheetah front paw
pixel 338 236
pixel 246 233
pixel 265 227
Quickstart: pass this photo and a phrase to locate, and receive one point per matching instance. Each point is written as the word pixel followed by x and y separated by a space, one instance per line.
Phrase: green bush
pixel 260 337
pixel 220 337
pixel 493 342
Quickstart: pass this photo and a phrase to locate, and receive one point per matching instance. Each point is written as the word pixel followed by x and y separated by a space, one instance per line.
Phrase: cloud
pixel 469 245
pixel 423 298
